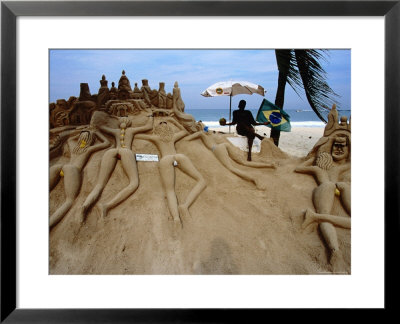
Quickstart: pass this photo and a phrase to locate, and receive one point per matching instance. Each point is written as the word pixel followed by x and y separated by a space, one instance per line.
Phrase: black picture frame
pixel 10 10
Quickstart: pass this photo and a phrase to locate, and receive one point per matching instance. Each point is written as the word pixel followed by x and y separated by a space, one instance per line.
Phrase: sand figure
pixel 123 138
pixel 225 153
pixel 72 171
pixel 332 161
pixel 165 138
pixel 178 108
pixel 245 121
pixel 147 92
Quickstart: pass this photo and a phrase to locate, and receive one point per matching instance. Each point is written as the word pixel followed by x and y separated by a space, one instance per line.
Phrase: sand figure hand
pixel 260 185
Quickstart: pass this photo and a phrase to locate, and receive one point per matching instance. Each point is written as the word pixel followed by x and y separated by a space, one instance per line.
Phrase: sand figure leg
pixel 345 195
pixel 107 166
pixel 72 184
pixel 187 167
pixel 311 217
pixel 167 173
pixel 129 165
pixel 329 233
pixel 54 175
pixel 323 197
pixel 252 164
pixel 221 152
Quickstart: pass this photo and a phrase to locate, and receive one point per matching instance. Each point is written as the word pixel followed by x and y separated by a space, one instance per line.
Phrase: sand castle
pixel 114 213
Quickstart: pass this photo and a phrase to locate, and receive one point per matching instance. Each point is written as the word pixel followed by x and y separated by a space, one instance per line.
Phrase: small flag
pixel 278 118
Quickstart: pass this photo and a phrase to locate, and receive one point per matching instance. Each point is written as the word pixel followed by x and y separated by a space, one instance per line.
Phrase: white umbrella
pixel 232 88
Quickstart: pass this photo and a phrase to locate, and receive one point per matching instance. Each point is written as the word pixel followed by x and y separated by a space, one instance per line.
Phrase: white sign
pixel 146 157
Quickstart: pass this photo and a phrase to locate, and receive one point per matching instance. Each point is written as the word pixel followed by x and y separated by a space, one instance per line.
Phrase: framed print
pixel 44 279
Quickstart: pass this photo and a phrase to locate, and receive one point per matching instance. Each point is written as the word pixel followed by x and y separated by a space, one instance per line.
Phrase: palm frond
pixel 319 94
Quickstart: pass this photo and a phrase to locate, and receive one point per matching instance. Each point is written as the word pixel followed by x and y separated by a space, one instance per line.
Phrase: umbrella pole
pixel 230 108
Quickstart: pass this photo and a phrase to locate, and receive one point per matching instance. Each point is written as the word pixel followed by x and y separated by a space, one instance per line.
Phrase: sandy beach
pixel 297 143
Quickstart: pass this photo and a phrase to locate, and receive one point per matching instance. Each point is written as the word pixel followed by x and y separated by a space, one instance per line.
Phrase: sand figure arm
pixel 175 122
pixel 108 130
pixel 61 137
pixel 105 143
pixel 178 136
pixel 319 174
pixel 142 129
pixel 208 142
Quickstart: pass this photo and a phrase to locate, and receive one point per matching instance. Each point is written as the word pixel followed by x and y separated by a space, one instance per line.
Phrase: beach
pixel 296 143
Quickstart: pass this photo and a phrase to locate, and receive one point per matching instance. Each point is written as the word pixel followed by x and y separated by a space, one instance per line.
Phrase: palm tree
pixel 301 70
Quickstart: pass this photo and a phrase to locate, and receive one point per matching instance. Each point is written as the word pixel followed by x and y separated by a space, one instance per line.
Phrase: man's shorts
pixel 244 130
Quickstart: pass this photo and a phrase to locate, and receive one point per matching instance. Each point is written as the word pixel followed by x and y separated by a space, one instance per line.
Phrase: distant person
pixel 245 121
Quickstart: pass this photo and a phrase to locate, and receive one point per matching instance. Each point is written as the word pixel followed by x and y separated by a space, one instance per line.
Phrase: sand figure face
pixel 340 149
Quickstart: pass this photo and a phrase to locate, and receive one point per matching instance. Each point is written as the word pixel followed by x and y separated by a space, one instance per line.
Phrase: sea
pixel 298 118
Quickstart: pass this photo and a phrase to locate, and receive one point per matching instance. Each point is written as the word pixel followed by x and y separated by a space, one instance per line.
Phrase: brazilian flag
pixel 278 118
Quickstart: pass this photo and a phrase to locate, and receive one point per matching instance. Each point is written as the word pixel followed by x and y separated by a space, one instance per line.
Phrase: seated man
pixel 245 121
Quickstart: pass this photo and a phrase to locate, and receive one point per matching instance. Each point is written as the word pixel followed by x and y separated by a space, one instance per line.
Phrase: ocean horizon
pixel 298 118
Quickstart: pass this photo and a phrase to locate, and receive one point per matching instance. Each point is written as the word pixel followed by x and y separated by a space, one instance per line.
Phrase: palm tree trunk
pixel 279 101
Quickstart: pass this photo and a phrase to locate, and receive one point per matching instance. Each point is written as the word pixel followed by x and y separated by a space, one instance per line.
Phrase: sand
pixel 233 227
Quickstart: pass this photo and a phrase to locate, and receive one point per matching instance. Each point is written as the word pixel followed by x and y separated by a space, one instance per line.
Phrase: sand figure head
pixel 122 110
pixel 340 148
pixel 86 139
pixel 124 122
pixel 163 131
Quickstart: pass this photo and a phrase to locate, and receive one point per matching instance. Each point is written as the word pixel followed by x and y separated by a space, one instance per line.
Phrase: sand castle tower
pixel 124 87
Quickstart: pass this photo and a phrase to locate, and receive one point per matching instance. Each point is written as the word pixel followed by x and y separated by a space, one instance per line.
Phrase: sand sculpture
pixel 123 136
pixel 80 151
pixel 225 153
pixel 237 229
pixel 165 138
pixel 328 163
pixel 179 107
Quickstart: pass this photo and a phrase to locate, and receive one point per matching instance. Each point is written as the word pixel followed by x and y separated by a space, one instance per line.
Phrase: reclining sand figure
pixel 225 153
pixel 332 161
pixel 72 171
pixel 165 138
pixel 123 139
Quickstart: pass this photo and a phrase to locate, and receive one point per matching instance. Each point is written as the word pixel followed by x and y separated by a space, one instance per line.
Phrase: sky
pixel 195 70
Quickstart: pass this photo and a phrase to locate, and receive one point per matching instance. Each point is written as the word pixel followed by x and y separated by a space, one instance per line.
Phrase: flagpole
pixel 230 107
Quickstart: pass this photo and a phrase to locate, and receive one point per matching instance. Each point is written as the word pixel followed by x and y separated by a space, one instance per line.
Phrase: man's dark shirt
pixel 243 118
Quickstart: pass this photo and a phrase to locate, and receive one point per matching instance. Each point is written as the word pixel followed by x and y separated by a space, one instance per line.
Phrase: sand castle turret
pixel 124 87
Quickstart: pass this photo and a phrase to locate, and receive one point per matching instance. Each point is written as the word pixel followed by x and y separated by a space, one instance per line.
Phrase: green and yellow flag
pixel 278 118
